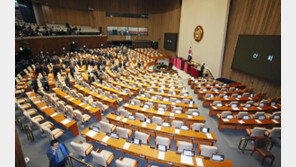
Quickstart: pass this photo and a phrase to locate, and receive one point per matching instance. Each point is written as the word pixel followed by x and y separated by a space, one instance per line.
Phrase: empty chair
pixel 140 116
pixel 233 104
pixel 246 94
pixel 224 114
pixel 124 112
pixel 192 110
pixel 217 103
pixel 186 101
pixel 137 102
pixel 275 132
pixel 102 157
pixel 82 117
pixel 123 132
pixel 145 138
pixel 259 114
pixel 147 95
pixel 177 124
pixel 162 107
pixel 53 134
pixel 232 89
pixel 45 124
pixel 234 95
pixel 197 126
pixel 207 151
pixel 177 110
pixel 157 120
pixel 106 127
pixel 173 99
pixel 163 141
pixel 159 97
pixel 81 148
pixel 148 105
pixel 221 95
pixel 118 99
pixel 102 106
pixel 208 95
pixel 249 103
pixel 126 162
pixel 276 115
pixel 242 114
pixel 257 131
pixel 223 89
pixel 182 145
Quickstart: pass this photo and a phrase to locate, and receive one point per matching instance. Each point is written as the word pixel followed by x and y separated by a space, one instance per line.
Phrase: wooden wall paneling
pixel 251 17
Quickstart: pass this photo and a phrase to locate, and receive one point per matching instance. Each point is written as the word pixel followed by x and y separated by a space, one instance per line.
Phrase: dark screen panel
pixel 259 55
pixel 170 41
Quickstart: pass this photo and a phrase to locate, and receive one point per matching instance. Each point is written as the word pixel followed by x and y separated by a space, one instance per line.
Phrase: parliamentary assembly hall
pixel 147 83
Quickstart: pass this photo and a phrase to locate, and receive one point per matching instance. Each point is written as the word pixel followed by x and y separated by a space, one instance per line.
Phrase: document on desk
pixel 275 121
pixel 124 120
pixel 67 96
pixel 71 99
pixel 36 102
pixel 91 133
pixel 161 155
pixel 215 108
pixel 144 124
pixel 158 127
pixel 199 162
pixel 225 120
pixel 209 136
pixel 44 107
pixel 190 105
pixel 258 121
pixel 65 121
pixel 105 139
pixel 246 109
pixel 54 114
pixel 235 108
pixel 275 107
pixel 81 104
pixel 177 131
pixel 87 107
pixel 126 145
pixel 186 159
pixel 241 121
pixel 160 112
pixel 172 114
pixel 259 108
pixel 118 118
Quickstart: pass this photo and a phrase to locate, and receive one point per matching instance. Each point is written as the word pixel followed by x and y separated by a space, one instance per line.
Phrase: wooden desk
pixel 124 96
pixel 201 94
pixel 204 83
pixel 208 101
pixel 169 95
pixel 214 110
pixel 196 87
pixel 104 99
pixel 148 153
pixel 134 90
pixel 155 81
pixel 169 132
pixel 79 104
pixel 251 123
pixel 111 73
pixel 190 80
pixel 169 104
pixel 51 113
pixel 167 116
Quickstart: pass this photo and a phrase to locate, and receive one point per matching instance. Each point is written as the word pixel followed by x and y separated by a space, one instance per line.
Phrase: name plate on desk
pixel 161 155
pixel 177 131
pixel 186 159
pixel 126 145
pixel 258 121
pixel 105 139
pixel 199 162
pixel 91 133
pixel 209 136
pixel 54 114
pixel 65 121
pixel 241 121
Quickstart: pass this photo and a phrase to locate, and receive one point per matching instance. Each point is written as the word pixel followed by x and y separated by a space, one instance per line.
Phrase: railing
pixel 75 162
pixel 19 123
pixel 29 132
pixel 210 75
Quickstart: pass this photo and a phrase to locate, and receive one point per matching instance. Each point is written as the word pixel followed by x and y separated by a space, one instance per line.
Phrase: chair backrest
pixel 99 158
pixel 197 126
pixel 77 148
pixel 147 94
pixel 122 132
pixel 207 151
pixel 137 102
pixel 275 132
pixel 48 132
pixel 177 109
pixel 258 131
pixel 157 120
pixel 241 114
pixel 162 106
pixel 215 103
pixel 163 141
pixel 276 114
pixel 140 116
pixel 257 114
pixel 182 145
pixel 231 88
pixel 123 112
pixel 173 99
pixel 260 142
pixel 79 115
pixel 69 110
pixel 234 95
pixel 246 94
pixel 225 113
pixel 150 104
pixel 142 136
pixel 106 127
pixel 190 111
pixel 177 124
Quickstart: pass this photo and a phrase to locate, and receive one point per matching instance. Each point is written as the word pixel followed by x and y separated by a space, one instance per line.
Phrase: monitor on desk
pixel 184 127
pixel 205 130
pixel 114 135
pixel 218 157
pixel 189 153
pixel 96 129
pixel 131 117
pixel 246 117
pixel 137 141
pixel 148 121
pixel 161 147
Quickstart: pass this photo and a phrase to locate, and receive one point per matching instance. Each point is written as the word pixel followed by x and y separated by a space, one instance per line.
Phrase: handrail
pixel 29 132
pixel 70 164
pixel 18 122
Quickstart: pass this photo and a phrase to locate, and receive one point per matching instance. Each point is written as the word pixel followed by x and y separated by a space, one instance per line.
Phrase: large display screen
pixel 259 55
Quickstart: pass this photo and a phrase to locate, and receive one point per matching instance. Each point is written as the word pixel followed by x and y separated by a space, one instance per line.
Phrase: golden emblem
pixel 198 33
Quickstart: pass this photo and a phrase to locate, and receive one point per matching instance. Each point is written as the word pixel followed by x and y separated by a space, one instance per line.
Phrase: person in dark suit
pixel 57 154
pixel 72 70
pixel 34 85
pixel 101 77
pixel 202 69
pixel 45 84
pixel 45 69
pixel 68 82
pixel 56 69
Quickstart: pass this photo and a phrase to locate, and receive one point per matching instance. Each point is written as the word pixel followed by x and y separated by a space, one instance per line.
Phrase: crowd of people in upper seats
pixel 43 60
pixel 26 30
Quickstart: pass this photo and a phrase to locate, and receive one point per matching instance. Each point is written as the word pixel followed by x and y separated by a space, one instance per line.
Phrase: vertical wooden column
pixel 19 156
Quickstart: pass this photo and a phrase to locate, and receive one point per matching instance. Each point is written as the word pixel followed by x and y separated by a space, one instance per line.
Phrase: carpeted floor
pixel 227 141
